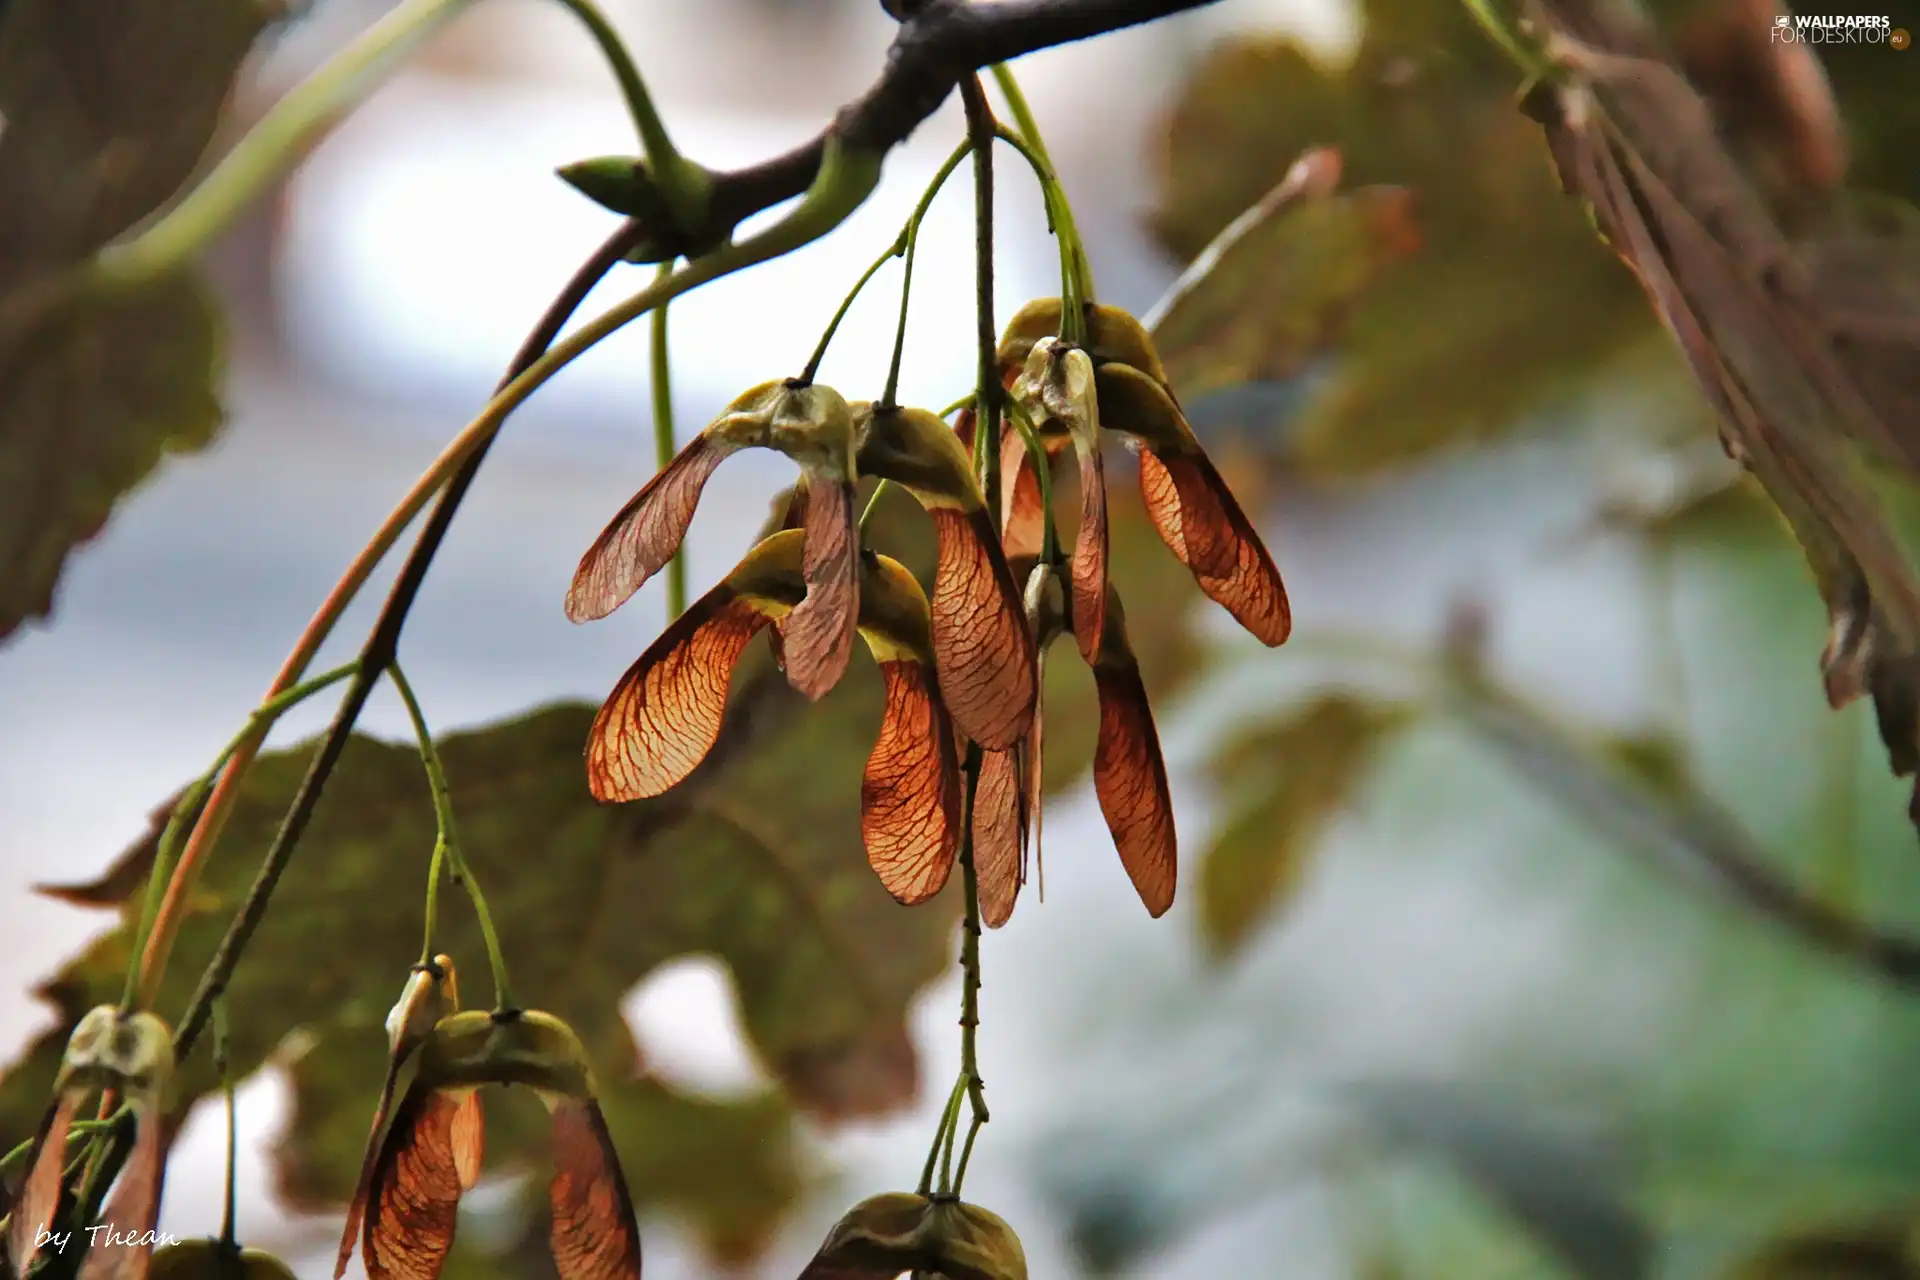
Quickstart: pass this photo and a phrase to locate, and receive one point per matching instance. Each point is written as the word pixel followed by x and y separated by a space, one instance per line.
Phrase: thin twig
pixel 980 128
pixel 665 441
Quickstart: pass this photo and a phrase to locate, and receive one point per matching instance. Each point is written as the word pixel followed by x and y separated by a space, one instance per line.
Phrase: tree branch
pixel 941 44
pixel 1686 834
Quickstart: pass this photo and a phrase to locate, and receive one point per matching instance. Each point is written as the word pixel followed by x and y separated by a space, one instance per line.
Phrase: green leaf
pixel 1510 301
pixel 109 105
pixel 90 400
pixel 1285 781
pixel 756 860
pixel 1562 1191
pixel 1280 281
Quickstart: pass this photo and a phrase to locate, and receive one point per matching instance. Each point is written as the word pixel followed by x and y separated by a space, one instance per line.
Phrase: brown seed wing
pixel 1023 524
pixel 981 645
pixel 1089 568
pixel 593 1235
pixel 1183 492
pixel 645 535
pixel 910 794
pixel 357 1207
pixel 469 1140
pixel 663 717
pixel 999 834
pixel 40 1194
pixel 125 1252
pixel 817 640
pixel 415 1199
pixel 1130 779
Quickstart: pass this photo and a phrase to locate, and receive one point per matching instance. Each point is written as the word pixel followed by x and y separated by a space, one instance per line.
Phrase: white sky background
pixel 422 238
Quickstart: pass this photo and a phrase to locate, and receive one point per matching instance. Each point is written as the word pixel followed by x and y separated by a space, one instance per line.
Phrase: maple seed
pixel 431 993
pixel 1188 502
pixel 1008 799
pixel 131 1054
pixel 1129 774
pixel 981 646
pixel 885 1235
pixel 665 715
pixel 215 1260
pixel 1056 385
pixel 414 1200
pixel 811 424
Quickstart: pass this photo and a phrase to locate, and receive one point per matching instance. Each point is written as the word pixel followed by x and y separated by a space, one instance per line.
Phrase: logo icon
pixel 1899 39
pixel 1781 20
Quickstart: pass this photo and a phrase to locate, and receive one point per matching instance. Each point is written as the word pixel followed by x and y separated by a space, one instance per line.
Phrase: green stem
pixel 1531 64
pixel 1043 469
pixel 949 1118
pixel 448 839
pixel 223 1063
pixel 911 234
pixel 1030 133
pixel 1075 286
pixel 277 142
pixel 873 504
pixel 969 978
pixel 79 1128
pixel 665 441
pixel 894 250
pixel 980 128
pixel 964 402
pixel 188 808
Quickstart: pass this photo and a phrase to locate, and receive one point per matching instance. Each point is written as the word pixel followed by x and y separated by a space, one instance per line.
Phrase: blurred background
pixel 1434 1001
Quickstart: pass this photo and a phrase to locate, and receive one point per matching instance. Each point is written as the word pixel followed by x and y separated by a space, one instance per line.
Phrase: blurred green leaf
pixel 108 106
pixel 1564 1192
pixel 91 398
pixel 1509 301
pixel 756 860
pixel 1285 781
pixel 1281 279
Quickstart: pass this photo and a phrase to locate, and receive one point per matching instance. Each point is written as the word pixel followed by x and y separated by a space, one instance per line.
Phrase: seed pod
pixel 1129 773
pixel 885 1235
pixel 1057 386
pixel 981 647
pixel 430 994
pixel 215 1260
pixel 131 1054
pixel 1007 799
pixel 1188 501
pixel 665 714
pixel 414 1195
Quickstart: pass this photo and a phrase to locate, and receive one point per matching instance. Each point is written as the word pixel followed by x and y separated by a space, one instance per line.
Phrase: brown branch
pixel 1686 834
pixel 940 45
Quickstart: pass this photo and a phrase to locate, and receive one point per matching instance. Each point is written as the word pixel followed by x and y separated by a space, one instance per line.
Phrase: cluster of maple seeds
pixel 964 664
